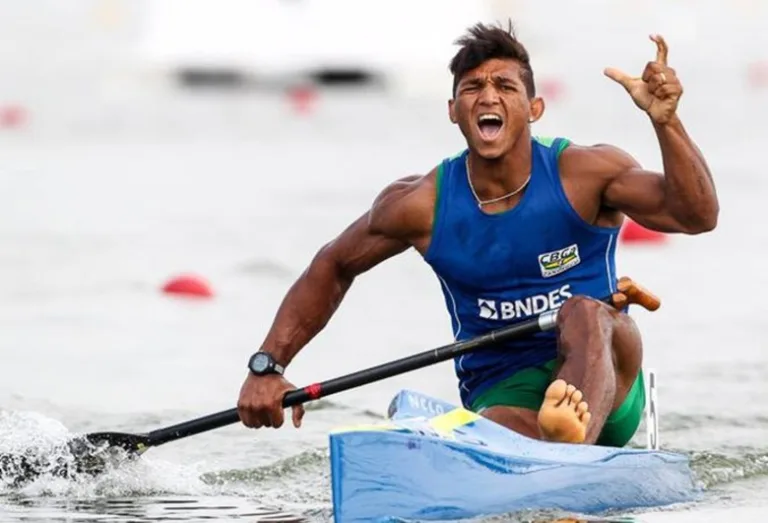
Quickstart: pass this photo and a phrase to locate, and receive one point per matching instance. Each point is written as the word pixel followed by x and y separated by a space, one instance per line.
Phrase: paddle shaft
pixel 540 323
pixel 350 381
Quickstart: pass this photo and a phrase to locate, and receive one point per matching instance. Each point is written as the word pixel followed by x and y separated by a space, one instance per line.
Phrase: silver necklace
pixel 480 202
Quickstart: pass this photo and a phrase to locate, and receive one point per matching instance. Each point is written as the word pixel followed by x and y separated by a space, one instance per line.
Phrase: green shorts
pixel 526 388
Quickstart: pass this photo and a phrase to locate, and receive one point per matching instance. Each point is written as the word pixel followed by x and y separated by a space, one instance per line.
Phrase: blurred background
pixel 142 141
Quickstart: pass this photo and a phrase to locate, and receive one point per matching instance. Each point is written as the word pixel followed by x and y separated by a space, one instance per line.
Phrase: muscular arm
pixel 683 199
pixel 385 230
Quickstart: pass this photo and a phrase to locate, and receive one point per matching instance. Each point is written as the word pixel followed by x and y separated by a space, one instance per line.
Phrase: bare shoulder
pixel 404 208
pixel 597 161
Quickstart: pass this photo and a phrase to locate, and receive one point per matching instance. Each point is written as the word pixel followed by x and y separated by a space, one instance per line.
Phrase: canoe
pixel 431 460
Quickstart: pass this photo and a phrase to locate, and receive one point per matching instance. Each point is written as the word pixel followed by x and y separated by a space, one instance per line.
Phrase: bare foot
pixel 563 417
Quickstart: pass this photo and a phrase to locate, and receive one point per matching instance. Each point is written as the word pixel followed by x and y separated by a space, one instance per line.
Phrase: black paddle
pixel 93 451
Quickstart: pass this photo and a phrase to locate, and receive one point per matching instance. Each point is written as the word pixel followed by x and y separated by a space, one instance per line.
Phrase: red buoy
pixel 551 89
pixel 303 98
pixel 11 116
pixel 633 232
pixel 188 285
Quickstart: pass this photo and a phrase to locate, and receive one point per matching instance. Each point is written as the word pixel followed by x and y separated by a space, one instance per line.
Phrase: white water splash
pixel 39 437
pixel 143 477
pixel 21 431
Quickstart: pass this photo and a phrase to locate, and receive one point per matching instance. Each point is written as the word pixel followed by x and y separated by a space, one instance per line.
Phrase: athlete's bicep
pixel 358 249
pixel 636 192
pixel 388 228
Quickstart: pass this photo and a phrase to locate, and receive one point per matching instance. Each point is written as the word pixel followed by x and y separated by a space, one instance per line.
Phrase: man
pixel 514 226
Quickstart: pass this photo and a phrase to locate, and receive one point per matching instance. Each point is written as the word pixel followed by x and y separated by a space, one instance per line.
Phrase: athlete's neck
pixel 499 176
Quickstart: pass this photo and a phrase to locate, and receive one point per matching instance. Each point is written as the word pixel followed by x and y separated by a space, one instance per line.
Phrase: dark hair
pixel 482 43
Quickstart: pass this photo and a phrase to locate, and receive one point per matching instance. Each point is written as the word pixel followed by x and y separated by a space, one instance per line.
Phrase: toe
pixel 581 408
pixel 585 418
pixel 569 391
pixel 576 397
pixel 556 391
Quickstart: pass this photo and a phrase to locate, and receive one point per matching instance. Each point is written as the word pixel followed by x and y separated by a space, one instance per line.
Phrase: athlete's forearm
pixel 306 309
pixel 690 190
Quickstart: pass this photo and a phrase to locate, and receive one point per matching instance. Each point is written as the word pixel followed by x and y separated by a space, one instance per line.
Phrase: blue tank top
pixel 496 269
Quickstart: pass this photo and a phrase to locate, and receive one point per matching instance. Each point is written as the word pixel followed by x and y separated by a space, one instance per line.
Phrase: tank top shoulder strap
pixel 549 150
pixel 553 145
pixel 445 177
pixel 445 181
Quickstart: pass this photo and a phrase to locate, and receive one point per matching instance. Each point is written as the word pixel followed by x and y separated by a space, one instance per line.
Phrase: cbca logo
pixel 556 262
pixel 488 309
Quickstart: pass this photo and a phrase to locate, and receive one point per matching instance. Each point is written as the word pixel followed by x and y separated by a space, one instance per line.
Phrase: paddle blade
pixel 88 454
pixel 132 443
pixel 93 453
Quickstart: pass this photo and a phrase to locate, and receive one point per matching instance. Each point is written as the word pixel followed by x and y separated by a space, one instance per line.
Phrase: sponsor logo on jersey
pixel 519 309
pixel 557 262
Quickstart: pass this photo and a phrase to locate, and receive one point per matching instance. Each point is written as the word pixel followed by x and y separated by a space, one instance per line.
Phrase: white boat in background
pixel 405 42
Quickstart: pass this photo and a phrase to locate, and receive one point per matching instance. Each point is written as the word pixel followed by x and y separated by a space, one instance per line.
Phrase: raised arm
pixel 683 198
pixel 390 227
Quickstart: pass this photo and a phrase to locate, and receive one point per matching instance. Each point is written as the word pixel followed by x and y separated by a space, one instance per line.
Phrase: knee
pixel 584 323
pixel 582 310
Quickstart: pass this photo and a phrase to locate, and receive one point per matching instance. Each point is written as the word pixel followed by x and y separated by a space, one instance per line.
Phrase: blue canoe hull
pixel 432 460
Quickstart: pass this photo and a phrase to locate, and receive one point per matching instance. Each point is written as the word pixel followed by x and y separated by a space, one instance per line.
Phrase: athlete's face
pixel 492 107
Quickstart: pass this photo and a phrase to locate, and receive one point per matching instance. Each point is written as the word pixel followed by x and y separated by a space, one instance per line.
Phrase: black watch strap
pixel 262 363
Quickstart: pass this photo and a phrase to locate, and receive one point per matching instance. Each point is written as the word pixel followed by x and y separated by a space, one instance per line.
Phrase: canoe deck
pixel 434 461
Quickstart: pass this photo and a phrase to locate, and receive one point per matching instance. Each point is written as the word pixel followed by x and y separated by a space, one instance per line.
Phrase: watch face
pixel 259 363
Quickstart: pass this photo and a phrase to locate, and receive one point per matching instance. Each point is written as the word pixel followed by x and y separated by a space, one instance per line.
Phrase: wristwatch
pixel 262 363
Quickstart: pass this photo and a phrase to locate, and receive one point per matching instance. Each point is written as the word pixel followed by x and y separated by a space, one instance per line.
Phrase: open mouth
pixel 490 125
